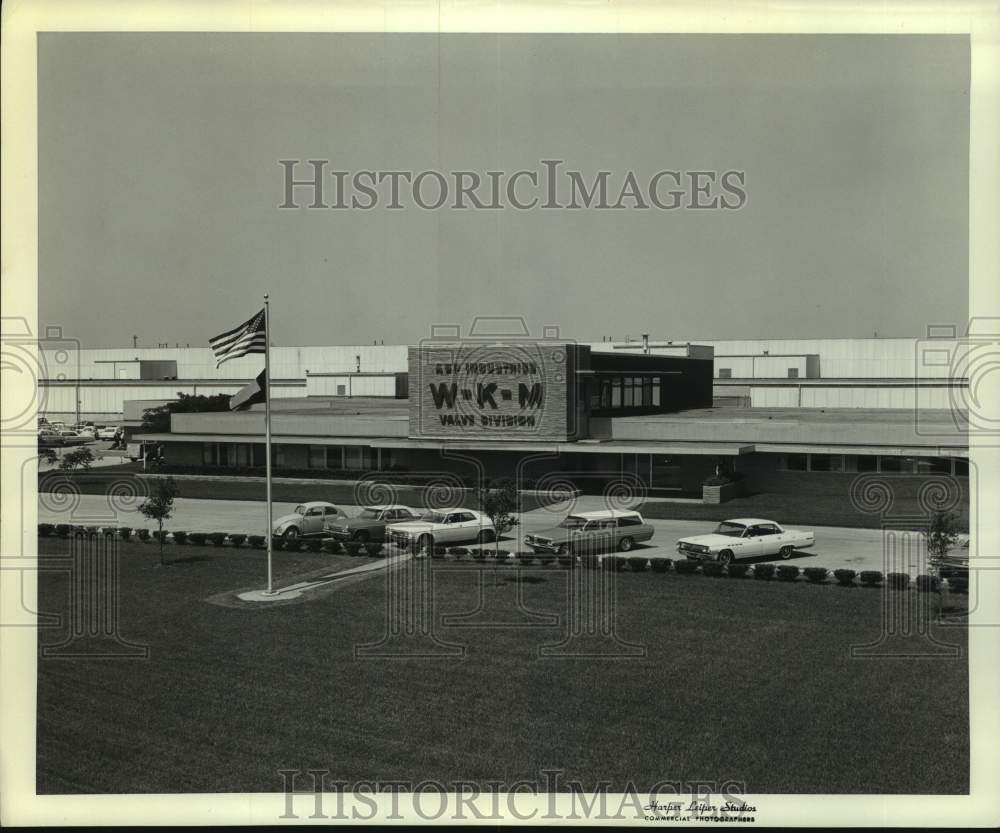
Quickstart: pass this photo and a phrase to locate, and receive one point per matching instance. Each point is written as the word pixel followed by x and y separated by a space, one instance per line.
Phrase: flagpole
pixel 267 434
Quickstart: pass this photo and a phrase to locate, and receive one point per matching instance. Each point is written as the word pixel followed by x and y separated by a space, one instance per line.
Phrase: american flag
pixel 249 337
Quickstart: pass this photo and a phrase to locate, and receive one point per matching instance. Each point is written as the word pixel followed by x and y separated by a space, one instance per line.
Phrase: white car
pixel 307 519
pixel 108 432
pixel 745 538
pixel 443 526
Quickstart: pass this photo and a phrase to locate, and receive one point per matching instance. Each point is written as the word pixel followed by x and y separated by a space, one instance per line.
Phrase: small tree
pixel 942 533
pixel 78 458
pixel 48 455
pixel 498 501
pixel 160 506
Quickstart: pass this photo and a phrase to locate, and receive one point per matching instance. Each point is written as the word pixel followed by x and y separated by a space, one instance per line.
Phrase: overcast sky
pixel 159 184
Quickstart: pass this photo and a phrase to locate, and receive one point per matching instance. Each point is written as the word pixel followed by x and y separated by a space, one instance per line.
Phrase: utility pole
pixel 135 341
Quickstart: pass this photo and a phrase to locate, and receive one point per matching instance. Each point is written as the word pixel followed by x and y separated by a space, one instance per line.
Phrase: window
pixel 656 391
pixel 240 455
pixel 826 462
pixel 796 462
pixel 629 520
pixel 891 464
pixel 357 458
pixel 862 463
pixel 317 457
pixel 210 454
pixel 331 511
pixel 793 373
pixel 314 512
pixel 616 393
pixel 605 393
pixel 280 458
pixel 628 398
pixel 933 465
pixel 725 373
pixel 341 390
pixel 647 391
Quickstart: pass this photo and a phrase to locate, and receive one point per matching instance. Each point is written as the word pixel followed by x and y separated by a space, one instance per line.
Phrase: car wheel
pixel 291 533
pixel 625 544
pixel 362 537
pixel 726 558
pixel 486 536
pixel 786 552
pixel 425 543
pixel 560 551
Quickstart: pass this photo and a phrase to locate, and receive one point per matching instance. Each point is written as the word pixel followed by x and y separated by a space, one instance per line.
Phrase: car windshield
pixel 732 530
pixel 370 514
pixel 573 522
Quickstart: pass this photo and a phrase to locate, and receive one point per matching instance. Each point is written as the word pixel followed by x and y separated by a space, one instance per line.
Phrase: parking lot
pixel 836 547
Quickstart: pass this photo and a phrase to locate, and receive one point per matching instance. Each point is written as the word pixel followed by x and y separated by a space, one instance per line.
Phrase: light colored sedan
pixel 307 519
pixel 745 538
pixel 443 526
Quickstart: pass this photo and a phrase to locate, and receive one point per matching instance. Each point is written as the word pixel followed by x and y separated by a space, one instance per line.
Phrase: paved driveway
pixel 858 549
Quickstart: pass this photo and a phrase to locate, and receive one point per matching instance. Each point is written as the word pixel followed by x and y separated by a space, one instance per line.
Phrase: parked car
pixel 107 432
pixel 745 538
pixel 370 523
pixel 605 530
pixel 74 438
pixel 307 520
pixel 443 526
pixel 49 439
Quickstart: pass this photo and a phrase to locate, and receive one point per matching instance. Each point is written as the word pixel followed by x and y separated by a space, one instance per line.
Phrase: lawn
pixel 743 680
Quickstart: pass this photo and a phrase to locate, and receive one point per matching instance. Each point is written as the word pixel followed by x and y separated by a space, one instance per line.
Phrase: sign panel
pixel 478 391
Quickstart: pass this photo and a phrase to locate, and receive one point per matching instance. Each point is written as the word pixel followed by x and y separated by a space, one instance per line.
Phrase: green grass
pixel 743 680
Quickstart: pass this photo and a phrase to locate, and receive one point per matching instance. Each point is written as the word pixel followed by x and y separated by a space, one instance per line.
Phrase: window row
pixel 629 392
pixel 876 463
pixel 251 455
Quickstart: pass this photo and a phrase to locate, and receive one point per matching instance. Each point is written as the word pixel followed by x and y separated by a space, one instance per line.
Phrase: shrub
pixel 156 534
pixel 898 581
pixel 871 578
pixel 258 542
pixel 958 585
pixel 63 530
pixel 180 537
pixel 764 572
pixel 458 552
pixel 352 548
pixel 501 556
pixel 330 545
pixel 567 561
pixel 928 584
pixel 545 559
pixel 45 530
pixel 787 572
pixel 197 538
pixel 218 539
pixel 660 565
pixel 845 578
pixel 686 566
pixel 315 544
pixel 737 570
pixel 526 558
pixel 713 568
pixel 439 551
pixel 373 548
pixel 237 539
pixel 638 563
pixel 479 555
pixel 143 535
pixel 817 575
pixel 278 543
